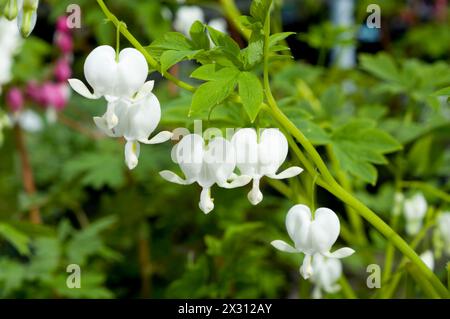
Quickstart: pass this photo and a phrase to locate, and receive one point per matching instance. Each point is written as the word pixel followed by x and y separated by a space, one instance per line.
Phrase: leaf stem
pixel 333 187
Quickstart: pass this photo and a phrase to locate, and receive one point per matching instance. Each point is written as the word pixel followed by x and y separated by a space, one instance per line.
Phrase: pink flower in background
pixel 54 95
pixel 61 25
pixel 64 42
pixel 15 99
pixel 63 71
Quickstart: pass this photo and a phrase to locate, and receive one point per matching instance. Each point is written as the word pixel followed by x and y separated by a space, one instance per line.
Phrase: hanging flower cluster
pixel 25 12
pixel 133 111
pixel 216 162
pixel 52 94
pixel 415 209
pixel 312 236
pixel 327 272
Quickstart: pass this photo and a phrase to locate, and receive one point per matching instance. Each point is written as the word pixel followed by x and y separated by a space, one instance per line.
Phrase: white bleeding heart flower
pixel 428 259
pixel 414 210
pixel 263 157
pixel 444 229
pixel 113 77
pixel 220 24
pixel 207 165
pixel 10 42
pixel 137 119
pixel 327 272
pixel 186 16
pixel 312 236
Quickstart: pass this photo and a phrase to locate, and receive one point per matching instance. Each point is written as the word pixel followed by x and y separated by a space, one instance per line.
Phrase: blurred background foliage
pixel 135 235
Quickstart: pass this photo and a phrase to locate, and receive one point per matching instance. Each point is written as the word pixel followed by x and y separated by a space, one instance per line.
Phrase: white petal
pixel 306 270
pixel 428 258
pixel 255 196
pixel 188 153
pixel 287 173
pixel 82 89
pixel 272 151
pixel 206 203
pixel 145 90
pixel 219 161
pixel 110 116
pixel 237 181
pixel 132 72
pixel 340 253
pixel 143 118
pixel 101 70
pixel 100 122
pixel 161 137
pixel 324 229
pixel 298 222
pixel 245 143
pixel 283 246
pixel 132 149
pixel 173 178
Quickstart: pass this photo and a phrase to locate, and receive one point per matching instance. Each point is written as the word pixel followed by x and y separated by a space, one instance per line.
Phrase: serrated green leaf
pixel 171 57
pixel 382 66
pixel 251 93
pixel 259 9
pixel 359 144
pixel 199 36
pixel 16 238
pixel 214 92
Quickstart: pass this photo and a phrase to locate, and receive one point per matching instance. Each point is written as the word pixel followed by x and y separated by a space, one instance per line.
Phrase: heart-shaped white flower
pixel 137 119
pixel 327 272
pixel 111 78
pixel 205 164
pixel 186 16
pixel 312 235
pixel 261 158
pixel 415 209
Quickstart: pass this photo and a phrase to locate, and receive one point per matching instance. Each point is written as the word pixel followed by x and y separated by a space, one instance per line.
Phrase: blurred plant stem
pixel 27 173
pixel 326 179
pixel 144 260
pixel 231 12
pixel 76 126
pixel 347 288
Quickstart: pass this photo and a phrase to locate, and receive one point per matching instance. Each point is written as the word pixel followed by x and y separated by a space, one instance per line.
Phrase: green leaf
pixel 277 37
pixel 259 9
pixel 251 93
pixel 359 144
pixel 254 52
pixel 214 92
pixel 16 238
pixel 172 57
pixel 170 41
pixel 199 36
pixel 443 92
pixel 381 66
pixel 227 45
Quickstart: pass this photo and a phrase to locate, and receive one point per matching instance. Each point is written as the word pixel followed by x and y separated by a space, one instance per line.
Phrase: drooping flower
pixel 312 235
pixel 26 13
pixel 62 70
pixel 111 78
pixel 10 42
pixel 205 164
pixel 28 120
pixel 137 119
pixel 327 272
pixel 186 16
pixel 444 230
pixel 220 24
pixel 415 209
pixel 428 259
pixel 15 99
pixel 263 157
